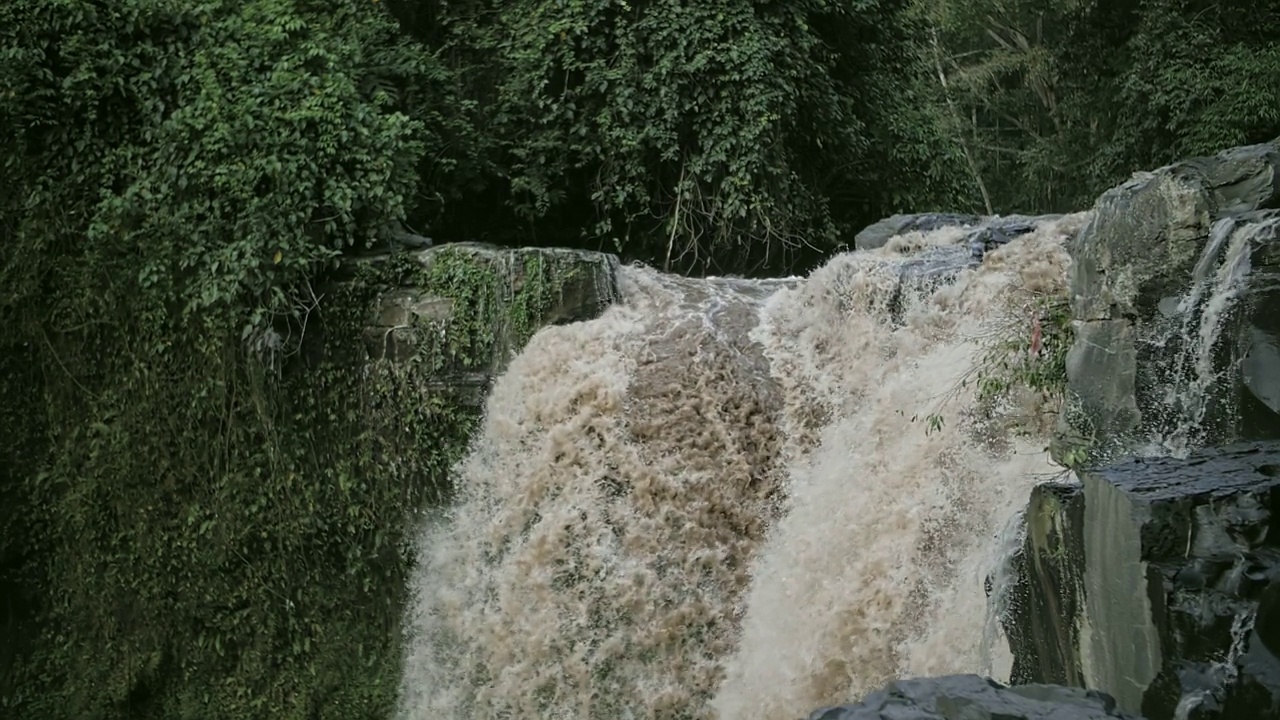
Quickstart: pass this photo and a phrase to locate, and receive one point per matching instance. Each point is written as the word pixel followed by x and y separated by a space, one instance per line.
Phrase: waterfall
pixel 1185 366
pixel 739 499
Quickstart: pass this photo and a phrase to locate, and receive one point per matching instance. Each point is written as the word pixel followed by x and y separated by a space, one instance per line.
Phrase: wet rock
pixel 1157 580
pixel 1044 602
pixel 1259 335
pixel 997 231
pixel 1146 268
pixel 879 233
pixel 987 233
pixel 970 697
pixel 937 265
pixel 928 270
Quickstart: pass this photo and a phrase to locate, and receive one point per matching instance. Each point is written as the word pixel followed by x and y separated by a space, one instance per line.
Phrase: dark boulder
pixel 927 270
pixel 996 231
pixel 1044 602
pixel 933 266
pixel 970 697
pixel 1155 580
pixel 881 232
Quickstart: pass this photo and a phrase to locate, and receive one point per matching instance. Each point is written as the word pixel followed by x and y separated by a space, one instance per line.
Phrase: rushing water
pixel 733 499
pixel 1187 364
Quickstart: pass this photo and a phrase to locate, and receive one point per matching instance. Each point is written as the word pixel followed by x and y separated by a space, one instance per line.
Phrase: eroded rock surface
pixel 933 266
pixel 986 232
pixel 879 233
pixel 971 697
pixel 1175 286
pixel 1155 580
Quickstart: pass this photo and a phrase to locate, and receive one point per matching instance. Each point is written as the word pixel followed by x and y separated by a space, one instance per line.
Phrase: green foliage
pixel 1075 458
pixel 1002 72
pixel 237 146
pixel 1075 443
pixel 222 542
pixel 1030 352
pixel 496 301
pixel 22 446
pixel 1201 77
pixel 1060 99
pixel 1026 352
pixel 703 135
pixel 214 530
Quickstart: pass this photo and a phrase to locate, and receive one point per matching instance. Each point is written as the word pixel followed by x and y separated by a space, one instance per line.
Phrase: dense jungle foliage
pixel 197 518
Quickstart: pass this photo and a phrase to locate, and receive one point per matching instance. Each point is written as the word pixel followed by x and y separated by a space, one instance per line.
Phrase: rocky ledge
pixel 938 265
pixel 970 697
pixel 984 233
pixel 1155 580
pixel 459 313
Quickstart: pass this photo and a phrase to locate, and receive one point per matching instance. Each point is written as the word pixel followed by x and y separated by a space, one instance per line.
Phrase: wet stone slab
pixel 971 697
pixel 1154 580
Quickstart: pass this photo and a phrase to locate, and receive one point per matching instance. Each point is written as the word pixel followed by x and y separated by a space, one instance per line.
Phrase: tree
pixel 713 135
pixel 1063 98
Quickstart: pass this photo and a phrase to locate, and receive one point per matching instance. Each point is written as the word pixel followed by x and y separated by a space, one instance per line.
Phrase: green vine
pixel 246 555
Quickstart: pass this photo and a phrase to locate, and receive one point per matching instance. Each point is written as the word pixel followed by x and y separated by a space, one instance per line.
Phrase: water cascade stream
pixel 1187 356
pixel 738 499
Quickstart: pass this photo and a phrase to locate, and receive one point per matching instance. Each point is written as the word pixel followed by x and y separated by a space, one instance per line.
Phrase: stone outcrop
pixel 1259 347
pixel 879 233
pixel 424 333
pixel 1174 285
pixel 459 313
pixel 985 232
pixel 970 697
pixel 1157 580
pixel 934 266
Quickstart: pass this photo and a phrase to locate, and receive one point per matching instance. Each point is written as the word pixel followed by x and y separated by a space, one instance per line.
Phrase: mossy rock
pixel 459 313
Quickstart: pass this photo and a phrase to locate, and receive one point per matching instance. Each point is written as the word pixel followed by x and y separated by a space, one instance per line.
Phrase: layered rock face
pixel 970 697
pixel 1155 580
pixel 1177 310
pixel 1151 578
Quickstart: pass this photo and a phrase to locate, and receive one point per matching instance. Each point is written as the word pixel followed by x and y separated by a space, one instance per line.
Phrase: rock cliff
pixel 1154 580
pixel 1176 305
pixel 458 313
pixel 1152 577
pixel 429 329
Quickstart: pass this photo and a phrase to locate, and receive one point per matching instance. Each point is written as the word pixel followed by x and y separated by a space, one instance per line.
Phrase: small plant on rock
pixel 1020 377
pixel 1027 351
